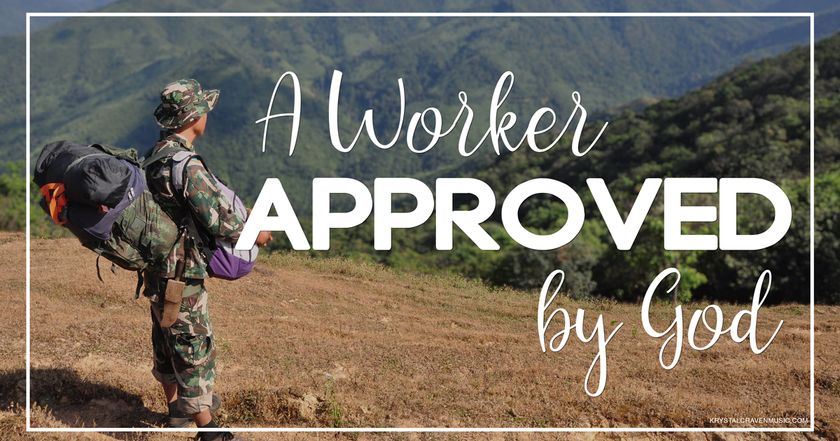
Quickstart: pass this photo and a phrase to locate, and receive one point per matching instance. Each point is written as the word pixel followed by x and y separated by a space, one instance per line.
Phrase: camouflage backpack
pixel 99 193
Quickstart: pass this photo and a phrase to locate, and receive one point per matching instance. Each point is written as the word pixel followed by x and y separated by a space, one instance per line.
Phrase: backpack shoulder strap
pixel 178 177
pixel 179 169
pixel 180 158
pixel 161 154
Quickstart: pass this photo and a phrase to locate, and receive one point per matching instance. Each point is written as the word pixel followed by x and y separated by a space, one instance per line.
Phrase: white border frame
pixel 809 15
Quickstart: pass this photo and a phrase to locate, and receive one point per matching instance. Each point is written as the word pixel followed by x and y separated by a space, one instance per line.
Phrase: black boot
pixel 217 436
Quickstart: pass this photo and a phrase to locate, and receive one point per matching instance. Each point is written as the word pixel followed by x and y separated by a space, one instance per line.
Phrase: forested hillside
pixel 751 122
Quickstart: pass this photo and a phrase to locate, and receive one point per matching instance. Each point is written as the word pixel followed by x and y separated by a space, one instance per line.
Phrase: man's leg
pixel 193 351
pixel 203 418
pixel 170 391
pixel 190 353
pixel 163 369
pixel 194 359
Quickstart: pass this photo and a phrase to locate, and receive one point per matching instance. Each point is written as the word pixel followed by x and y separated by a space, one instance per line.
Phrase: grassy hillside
pixel 329 342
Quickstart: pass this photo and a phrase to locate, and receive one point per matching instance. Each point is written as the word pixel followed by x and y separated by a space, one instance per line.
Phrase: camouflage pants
pixel 185 353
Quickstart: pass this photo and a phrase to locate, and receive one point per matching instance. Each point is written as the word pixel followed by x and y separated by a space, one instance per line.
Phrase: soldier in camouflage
pixel 185 353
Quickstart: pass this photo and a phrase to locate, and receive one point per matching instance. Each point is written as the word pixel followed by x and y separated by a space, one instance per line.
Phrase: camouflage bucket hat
pixel 183 102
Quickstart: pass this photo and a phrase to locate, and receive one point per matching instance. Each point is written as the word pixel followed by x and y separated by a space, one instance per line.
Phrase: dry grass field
pixel 331 343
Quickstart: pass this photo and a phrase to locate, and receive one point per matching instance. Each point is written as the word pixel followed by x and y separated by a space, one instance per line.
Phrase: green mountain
pixel 97 79
pixel 750 122
pixel 13 12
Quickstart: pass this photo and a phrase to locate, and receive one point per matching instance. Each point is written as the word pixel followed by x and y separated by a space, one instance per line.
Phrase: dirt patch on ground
pixel 332 343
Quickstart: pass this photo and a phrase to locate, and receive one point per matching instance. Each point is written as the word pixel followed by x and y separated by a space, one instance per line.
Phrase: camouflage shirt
pixel 212 213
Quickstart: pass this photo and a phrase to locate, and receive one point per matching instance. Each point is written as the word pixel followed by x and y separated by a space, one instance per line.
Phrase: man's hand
pixel 264 238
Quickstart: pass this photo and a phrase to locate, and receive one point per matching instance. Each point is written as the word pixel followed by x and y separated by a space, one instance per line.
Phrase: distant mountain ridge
pixel 97 79
pixel 13 12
